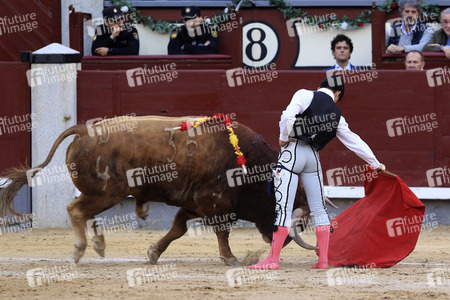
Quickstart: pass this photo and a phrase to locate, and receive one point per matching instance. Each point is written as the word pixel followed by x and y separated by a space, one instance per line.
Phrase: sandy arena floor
pixel 191 269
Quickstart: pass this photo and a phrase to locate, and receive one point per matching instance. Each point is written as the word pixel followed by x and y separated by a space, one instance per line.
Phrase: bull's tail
pixel 17 177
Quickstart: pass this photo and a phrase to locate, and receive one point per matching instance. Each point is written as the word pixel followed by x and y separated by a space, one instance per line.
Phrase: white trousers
pixel 299 158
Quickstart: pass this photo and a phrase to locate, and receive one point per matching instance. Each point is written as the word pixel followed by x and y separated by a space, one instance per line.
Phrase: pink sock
pixel 271 262
pixel 323 239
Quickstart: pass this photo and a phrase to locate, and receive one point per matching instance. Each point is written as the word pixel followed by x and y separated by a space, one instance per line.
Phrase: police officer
pixel 115 36
pixel 194 37
pixel 310 121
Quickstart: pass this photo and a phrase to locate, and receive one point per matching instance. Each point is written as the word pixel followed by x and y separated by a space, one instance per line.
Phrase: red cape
pixel 379 230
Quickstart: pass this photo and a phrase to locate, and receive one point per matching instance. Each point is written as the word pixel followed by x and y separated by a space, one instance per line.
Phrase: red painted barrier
pixel 367 106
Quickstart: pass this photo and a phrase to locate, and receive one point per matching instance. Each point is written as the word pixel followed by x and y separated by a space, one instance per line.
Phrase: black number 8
pixel 249 48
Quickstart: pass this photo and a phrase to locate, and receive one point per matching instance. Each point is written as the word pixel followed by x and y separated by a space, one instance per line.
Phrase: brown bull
pixel 110 156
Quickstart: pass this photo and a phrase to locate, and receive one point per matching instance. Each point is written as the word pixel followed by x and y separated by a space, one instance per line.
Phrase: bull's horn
pixel 299 214
pixel 298 239
pixel 330 203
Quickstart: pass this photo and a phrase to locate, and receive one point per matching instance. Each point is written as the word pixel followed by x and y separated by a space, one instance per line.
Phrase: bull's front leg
pixel 178 229
pixel 224 247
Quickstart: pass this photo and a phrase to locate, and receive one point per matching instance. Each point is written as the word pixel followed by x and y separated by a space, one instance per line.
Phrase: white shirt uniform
pixel 300 102
pixel 300 158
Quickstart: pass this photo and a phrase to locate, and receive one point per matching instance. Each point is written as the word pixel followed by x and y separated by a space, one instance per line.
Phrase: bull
pixel 104 158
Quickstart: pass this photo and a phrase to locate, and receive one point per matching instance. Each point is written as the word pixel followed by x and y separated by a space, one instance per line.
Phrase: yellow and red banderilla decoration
pixel 233 138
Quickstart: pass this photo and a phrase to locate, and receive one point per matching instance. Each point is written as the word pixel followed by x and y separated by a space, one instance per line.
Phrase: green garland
pixel 390 5
pixel 290 12
pixel 364 17
pixel 165 26
pixel 287 11
pixel 161 26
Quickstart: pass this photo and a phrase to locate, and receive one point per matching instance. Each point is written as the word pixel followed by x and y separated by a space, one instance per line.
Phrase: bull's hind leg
pixel 178 229
pixel 81 210
pixel 224 247
pixel 98 240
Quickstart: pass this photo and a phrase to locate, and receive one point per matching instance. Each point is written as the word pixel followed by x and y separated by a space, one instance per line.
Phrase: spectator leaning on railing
pixel 410 34
pixel 115 36
pixel 441 38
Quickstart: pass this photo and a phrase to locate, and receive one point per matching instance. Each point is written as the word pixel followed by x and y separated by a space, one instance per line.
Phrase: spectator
pixel 441 39
pixel 115 37
pixel 194 37
pixel 410 34
pixel 414 60
pixel 342 48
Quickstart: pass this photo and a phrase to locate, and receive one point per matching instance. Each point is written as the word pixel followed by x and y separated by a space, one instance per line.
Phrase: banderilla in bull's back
pixel 102 157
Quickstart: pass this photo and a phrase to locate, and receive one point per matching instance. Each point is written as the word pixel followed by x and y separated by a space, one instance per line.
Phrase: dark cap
pixel 112 12
pixel 190 12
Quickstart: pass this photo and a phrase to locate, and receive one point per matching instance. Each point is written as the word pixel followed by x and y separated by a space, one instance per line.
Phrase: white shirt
pixel 301 101
pixel 338 67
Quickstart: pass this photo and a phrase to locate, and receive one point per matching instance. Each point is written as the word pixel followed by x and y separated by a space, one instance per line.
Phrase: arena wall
pixel 202 87
pixel 368 106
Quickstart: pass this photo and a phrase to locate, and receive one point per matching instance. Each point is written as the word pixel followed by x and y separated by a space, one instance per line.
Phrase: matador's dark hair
pixel 337 86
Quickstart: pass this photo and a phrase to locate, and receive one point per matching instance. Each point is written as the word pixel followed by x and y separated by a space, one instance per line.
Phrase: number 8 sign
pixel 260 44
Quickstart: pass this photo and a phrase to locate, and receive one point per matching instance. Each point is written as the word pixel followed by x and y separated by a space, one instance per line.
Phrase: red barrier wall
pixel 14 108
pixel 367 107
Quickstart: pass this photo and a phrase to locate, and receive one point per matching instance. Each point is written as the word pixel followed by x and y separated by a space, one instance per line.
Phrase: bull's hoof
pixel 153 254
pixel 99 247
pixel 100 251
pixel 78 252
pixel 231 261
pixel 267 239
